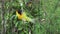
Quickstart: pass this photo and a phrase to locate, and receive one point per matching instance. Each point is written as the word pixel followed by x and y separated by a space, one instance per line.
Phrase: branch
pixel 3 20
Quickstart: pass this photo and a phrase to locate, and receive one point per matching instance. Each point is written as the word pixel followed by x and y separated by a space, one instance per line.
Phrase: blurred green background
pixel 47 12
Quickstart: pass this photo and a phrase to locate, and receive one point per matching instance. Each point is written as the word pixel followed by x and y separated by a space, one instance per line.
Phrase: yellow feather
pixel 23 16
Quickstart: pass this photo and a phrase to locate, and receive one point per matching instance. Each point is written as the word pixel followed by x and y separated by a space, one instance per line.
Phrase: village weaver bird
pixel 23 16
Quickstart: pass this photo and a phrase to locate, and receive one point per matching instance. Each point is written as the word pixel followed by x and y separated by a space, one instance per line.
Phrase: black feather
pixel 20 12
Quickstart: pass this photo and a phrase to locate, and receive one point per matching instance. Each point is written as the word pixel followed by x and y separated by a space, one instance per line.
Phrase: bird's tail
pixel 34 20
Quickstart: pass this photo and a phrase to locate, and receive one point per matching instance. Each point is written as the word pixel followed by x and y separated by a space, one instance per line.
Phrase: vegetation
pixel 47 13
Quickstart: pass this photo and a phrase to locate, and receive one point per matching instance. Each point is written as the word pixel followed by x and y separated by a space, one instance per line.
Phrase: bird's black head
pixel 19 11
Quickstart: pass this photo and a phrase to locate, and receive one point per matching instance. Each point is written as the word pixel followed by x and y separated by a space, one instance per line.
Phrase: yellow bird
pixel 22 16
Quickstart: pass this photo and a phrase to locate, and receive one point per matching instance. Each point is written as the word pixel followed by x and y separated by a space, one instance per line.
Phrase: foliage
pixel 47 12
